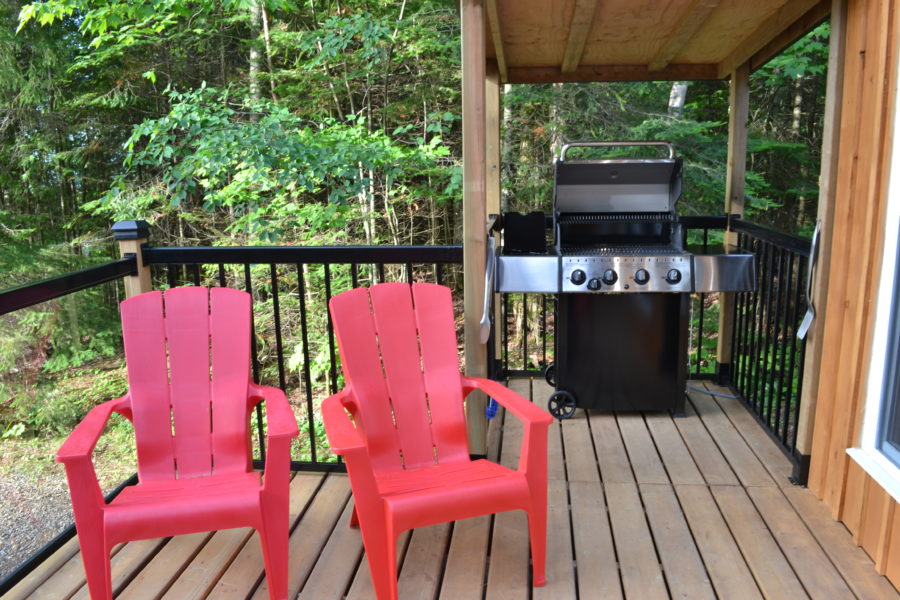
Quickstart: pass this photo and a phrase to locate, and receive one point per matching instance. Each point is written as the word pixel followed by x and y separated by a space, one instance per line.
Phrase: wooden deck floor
pixel 641 507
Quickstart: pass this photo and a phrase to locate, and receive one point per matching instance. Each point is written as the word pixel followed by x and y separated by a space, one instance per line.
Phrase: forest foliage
pixel 240 122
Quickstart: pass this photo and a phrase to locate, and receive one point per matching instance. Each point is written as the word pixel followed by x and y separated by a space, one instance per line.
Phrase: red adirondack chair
pixel 406 445
pixel 190 398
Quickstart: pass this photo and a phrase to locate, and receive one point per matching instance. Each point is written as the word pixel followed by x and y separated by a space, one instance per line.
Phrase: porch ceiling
pixel 539 41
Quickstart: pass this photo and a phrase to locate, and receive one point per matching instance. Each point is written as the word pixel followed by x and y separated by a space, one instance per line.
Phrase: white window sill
pixel 879 468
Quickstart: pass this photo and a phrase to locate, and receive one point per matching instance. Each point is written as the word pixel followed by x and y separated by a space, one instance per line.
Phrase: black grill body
pixel 623 352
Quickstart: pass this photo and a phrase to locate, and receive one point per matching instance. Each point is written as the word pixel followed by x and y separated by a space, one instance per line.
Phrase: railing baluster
pixel 307 376
pixel 505 314
pixel 221 275
pixel 786 320
pixel 332 369
pixel 795 395
pixel 544 329
pixel 248 287
pixel 524 332
pixel 276 311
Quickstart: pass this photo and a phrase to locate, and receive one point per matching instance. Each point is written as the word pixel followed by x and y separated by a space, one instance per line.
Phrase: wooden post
pixel 492 175
pixel 831 137
pixel 131 235
pixel 738 116
pixel 474 209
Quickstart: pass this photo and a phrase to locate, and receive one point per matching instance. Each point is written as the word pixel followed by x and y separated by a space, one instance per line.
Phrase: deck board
pixel 640 507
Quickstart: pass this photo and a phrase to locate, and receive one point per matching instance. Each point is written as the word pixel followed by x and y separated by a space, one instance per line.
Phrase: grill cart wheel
pixel 561 405
pixel 550 374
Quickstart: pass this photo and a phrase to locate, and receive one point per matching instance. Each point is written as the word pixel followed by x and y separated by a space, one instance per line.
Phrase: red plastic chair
pixel 406 447
pixel 190 398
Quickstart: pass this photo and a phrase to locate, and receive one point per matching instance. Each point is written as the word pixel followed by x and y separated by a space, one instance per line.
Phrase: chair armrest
pixel 280 419
pixel 80 443
pixel 526 411
pixel 342 434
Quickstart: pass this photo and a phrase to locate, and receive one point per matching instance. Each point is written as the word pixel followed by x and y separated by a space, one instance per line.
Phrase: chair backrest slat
pixel 187 332
pixel 440 360
pixel 188 357
pixel 361 363
pixel 230 314
pixel 395 323
pixel 399 355
pixel 148 382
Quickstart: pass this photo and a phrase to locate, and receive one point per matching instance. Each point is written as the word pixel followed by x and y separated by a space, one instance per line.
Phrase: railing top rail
pixel 29 294
pixel 308 254
pixel 793 243
pixel 704 222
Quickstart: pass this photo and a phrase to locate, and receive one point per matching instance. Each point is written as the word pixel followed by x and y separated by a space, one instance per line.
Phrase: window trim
pixel 868 455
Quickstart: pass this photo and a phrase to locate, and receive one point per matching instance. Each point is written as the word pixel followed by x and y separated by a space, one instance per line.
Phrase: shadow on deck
pixel 641 507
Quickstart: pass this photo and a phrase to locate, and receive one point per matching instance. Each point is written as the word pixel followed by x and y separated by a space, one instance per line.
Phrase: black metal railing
pixel 767 356
pixel 31 294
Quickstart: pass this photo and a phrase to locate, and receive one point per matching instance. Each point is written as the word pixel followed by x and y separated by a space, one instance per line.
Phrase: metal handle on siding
pixel 565 148
pixel 810 315
pixel 484 328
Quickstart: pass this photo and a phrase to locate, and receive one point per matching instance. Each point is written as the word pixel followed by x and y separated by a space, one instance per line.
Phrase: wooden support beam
pixel 674 72
pixel 579 28
pixel 474 209
pixel 738 116
pixel 492 175
pixel 797 29
pixel 756 40
pixel 131 236
pixel 831 139
pixel 497 37
pixel 691 20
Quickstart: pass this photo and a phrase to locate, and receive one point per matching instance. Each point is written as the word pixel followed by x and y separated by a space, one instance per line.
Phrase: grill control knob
pixel 673 276
pixel 610 277
pixel 594 284
pixel 578 277
pixel 641 276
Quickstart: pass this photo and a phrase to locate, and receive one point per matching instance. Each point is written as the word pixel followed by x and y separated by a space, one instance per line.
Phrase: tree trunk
pixel 255 17
pixel 677 97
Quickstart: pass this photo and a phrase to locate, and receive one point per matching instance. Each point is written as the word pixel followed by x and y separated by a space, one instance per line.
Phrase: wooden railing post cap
pixel 130 230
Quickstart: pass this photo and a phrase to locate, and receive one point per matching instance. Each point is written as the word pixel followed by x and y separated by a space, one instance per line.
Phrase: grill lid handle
pixel 565 148
pixel 484 327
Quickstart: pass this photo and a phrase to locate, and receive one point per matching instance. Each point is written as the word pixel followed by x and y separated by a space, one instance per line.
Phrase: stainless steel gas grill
pixel 623 281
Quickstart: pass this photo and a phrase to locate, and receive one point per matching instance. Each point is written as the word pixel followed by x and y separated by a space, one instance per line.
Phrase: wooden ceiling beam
pixel 798 29
pixel 674 72
pixel 494 25
pixel 690 22
pixel 579 28
pixel 770 29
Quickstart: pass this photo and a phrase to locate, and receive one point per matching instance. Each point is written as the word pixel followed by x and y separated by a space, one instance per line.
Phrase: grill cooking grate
pixel 629 250
pixel 576 218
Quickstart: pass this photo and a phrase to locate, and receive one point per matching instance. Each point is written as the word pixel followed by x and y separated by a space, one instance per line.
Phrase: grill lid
pixel 620 185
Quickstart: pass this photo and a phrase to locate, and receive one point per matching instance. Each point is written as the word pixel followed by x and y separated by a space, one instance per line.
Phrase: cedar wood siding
pixel 854 268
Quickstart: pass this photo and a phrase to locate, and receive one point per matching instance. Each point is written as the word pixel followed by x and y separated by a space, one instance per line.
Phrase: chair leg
pixel 354 518
pixel 537 529
pixel 273 535
pixel 95 557
pixel 380 543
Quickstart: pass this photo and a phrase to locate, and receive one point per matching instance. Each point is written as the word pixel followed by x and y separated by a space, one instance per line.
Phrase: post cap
pixel 130 230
